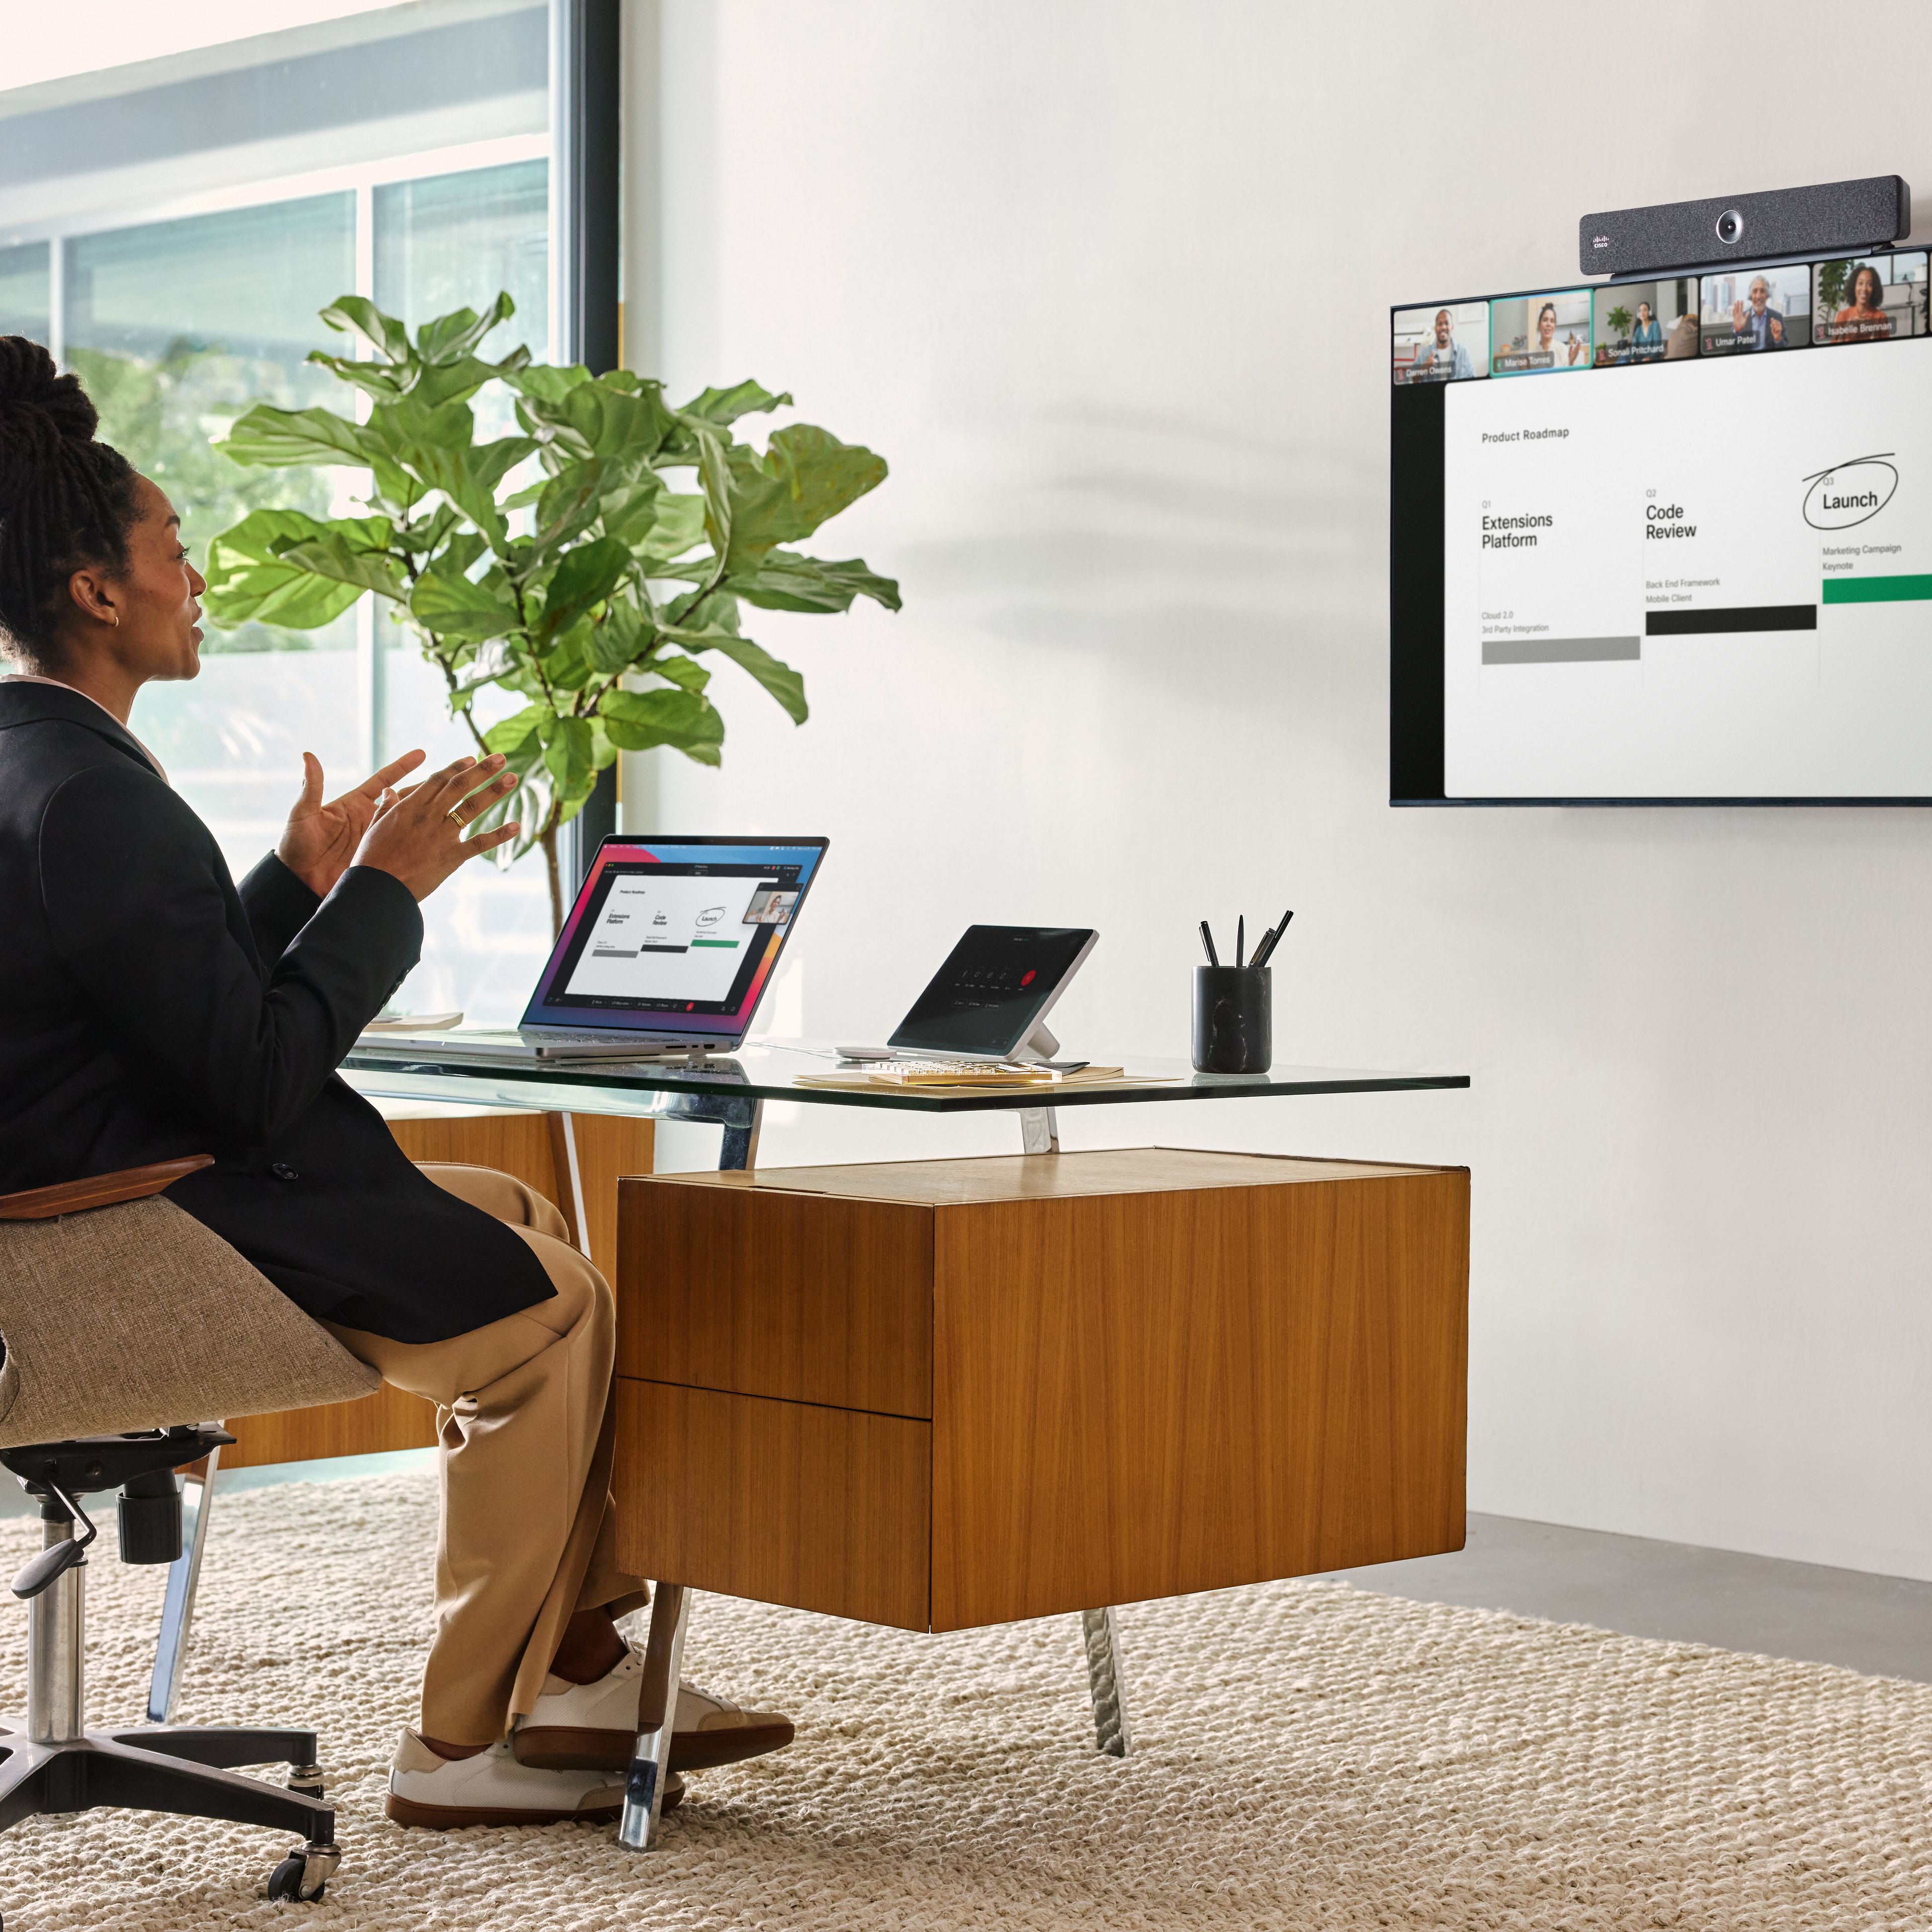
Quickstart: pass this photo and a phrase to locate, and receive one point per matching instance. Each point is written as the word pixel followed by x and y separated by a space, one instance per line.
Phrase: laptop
pixel 665 955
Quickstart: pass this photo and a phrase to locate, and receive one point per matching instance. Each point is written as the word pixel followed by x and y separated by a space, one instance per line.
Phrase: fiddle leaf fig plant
pixel 596 591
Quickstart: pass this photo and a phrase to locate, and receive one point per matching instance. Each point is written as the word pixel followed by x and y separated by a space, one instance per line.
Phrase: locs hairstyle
pixel 66 499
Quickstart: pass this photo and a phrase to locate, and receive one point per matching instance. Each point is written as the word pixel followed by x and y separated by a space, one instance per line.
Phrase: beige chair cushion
pixel 137 1317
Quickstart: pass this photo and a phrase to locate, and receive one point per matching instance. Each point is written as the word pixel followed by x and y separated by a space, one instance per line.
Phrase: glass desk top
pixel 772 1069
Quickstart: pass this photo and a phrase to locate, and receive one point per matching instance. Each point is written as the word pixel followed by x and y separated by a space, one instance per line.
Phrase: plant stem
pixel 548 839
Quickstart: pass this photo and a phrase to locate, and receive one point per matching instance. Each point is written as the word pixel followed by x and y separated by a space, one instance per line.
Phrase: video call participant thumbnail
pixel 1447 344
pixel 1871 299
pixel 1536 335
pixel 1644 321
pixel 1750 311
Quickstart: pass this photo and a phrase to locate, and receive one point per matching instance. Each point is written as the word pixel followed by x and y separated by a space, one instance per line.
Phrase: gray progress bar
pixel 1560 650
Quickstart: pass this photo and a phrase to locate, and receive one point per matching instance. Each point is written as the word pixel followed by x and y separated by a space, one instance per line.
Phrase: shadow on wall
pixel 1149 534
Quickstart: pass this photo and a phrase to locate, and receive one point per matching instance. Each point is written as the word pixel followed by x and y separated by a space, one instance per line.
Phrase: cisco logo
pixel 1600 241
pixel 1852 492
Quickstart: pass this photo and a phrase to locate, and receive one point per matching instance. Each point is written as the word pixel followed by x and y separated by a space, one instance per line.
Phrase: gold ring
pixel 454 815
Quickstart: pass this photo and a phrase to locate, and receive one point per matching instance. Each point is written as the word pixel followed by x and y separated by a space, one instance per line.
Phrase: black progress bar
pixel 1743 617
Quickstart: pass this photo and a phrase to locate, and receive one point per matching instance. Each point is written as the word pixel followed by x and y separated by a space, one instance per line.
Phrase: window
pixel 172 237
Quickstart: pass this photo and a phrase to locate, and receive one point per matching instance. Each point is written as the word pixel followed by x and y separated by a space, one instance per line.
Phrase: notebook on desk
pixel 665 956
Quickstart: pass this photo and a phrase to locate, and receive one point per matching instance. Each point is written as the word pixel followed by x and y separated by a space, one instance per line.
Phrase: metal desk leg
pixel 178 1605
pixel 1040 1130
pixel 657 1718
pixel 740 1148
pixel 1105 1670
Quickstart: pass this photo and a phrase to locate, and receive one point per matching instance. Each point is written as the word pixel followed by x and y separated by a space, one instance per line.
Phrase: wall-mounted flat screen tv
pixel 1697 569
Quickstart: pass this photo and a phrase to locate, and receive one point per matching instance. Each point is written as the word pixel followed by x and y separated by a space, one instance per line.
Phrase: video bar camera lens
pixel 1730 226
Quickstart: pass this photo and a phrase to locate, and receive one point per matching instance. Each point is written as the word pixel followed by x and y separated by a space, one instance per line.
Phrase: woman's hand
pixel 417 836
pixel 320 842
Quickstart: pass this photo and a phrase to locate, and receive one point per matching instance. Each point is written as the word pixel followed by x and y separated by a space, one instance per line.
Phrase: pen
pixel 1208 941
pixel 1241 936
pixel 1274 940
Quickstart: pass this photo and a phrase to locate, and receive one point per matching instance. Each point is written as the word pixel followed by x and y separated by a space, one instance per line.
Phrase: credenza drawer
pixel 784 1502
pixel 764 1292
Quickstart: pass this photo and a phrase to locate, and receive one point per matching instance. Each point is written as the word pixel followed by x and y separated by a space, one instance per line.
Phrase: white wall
pixel 1107 283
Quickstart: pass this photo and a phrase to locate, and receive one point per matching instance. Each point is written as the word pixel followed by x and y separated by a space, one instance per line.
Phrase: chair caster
pixel 305 1780
pixel 304 1874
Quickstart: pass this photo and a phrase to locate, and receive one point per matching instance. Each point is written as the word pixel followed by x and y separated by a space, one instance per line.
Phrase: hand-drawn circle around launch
pixel 1854 494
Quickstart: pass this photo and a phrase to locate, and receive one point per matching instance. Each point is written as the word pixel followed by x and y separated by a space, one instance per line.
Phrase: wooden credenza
pixel 940 1394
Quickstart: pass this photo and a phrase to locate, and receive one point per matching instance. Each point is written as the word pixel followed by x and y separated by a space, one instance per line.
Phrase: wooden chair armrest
pixel 99 1190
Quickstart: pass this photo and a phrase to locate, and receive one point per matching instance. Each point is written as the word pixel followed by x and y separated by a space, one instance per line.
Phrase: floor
pixel 1633 1584
pixel 1640 1587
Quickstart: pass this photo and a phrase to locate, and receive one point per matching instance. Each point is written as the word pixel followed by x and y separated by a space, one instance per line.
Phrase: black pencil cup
pixel 1234 1024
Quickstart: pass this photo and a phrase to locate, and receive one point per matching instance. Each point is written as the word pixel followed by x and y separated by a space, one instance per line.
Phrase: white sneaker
pixel 594 1727
pixel 492 1788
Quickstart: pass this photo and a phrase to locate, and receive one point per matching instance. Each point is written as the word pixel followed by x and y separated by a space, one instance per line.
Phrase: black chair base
pixel 182 1769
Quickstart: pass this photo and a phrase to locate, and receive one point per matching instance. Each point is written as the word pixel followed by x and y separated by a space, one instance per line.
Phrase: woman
pixel 1647 338
pixel 1865 319
pixel 149 1007
pixel 1562 356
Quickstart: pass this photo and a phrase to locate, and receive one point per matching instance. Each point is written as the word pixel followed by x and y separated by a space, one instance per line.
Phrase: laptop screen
pixel 675 935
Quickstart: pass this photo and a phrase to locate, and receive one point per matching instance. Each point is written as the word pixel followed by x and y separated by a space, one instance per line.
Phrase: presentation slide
pixel 1704 579
pixel 670 936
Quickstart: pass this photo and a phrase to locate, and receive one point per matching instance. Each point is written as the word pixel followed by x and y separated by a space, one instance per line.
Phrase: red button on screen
pixel 1026 978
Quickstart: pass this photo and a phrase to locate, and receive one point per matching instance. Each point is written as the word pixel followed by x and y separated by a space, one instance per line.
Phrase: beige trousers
pixel 526 1426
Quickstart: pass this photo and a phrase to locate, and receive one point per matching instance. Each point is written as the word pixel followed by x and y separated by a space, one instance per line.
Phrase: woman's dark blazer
pixel 149 1009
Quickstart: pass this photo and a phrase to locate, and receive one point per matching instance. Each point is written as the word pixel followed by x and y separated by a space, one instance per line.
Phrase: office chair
pixel 120 1315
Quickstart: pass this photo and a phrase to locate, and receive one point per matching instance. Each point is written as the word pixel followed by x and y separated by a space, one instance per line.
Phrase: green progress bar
pixel 1878 590
pixel 731 945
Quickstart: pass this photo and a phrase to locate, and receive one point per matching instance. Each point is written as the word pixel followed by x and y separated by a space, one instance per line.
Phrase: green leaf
pixel 567 750
pixel 547 383
pixel 283 567
pixel 637 720
pixel 381 380
pixel 568 504
pixel 599 418
pixel 519 738
pixel 714 476
pixel 440 382
pixel 782 580
pixel 586 576
pixel 500 661
pixel 677 525
pixel 623 638
pixel 469 478
pixel 681 671
pixel 332 556
pixel 267 438
pixel 451 605
pixel 784 683
pixel 704 613
pixel 725 407
pixel 357 314
pixel 409 424
pixel 806 476
pixel 451 338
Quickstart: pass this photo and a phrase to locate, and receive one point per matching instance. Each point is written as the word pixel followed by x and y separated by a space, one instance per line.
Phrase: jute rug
pixel 1309 1755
